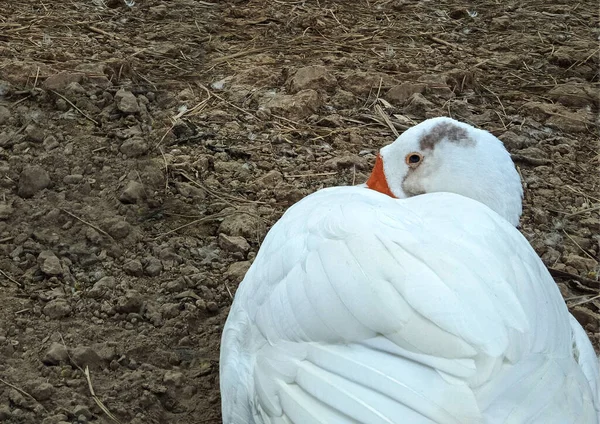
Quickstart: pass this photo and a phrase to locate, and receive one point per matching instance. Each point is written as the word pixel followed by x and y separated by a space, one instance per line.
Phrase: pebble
pixel 73 179
pixel 133 267
pixel 174 378
pixel 56 354
pixel 82 410
pixel 6 211
pixel 212 307
pixel 297 106
pixel 93 236
pixel 241 224
pixel 49 263
pixel 134 147
pixel 581 263
pixel 347 161
pixel 85 356
pixel 237 271
pixel 315 77
pixel 233 243
pixel 4 115
pixel 118 228
pixel 32 180
pixel 400 94
pixel 61 80
pixel 50 143
pixel 5 413
pixel 126 101
pixel 418 105
pixel 153 267
pixel 133 192
pixel 57 308
pixel 101 287
pixel 43 391
pixel 132 301
pixel 34 133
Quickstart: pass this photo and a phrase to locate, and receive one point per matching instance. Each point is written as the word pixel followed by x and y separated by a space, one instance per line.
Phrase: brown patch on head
pixel 448 131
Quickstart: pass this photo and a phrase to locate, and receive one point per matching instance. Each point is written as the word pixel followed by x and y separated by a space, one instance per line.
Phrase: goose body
pixel 365 307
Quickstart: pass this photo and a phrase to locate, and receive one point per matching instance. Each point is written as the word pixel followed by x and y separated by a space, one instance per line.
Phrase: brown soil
pixel 145 150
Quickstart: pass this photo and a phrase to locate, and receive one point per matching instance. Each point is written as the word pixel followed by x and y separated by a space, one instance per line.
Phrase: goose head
pixel 445 155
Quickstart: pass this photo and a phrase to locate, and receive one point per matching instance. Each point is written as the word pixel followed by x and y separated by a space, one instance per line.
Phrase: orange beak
pixel 377 180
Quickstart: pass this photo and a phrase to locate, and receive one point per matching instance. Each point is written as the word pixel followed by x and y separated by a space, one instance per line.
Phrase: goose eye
pixel 413 159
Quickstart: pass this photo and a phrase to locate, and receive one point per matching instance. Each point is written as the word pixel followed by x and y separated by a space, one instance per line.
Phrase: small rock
pixel 581 263
pixel 85 356
pixel 419 105
pixel 4 115
pixel 134 147
pixel 133 192
pixel 76 88
pixel 169 310
pixel 101 287
pixel 312 77
pixel 50 143
pixel 4 412
pixel 56 354
pixel 400 94
pixel 569 122
pixel 299 105
pixel 188 190
pixel 6 88
pixel 212 307
pixel 133 267
pixel 347 161
pixel 6 211
pixel 61 80
pixel 106 351
pixel 363 83
pixel 154 267
pixel 118 228
pixel 233 244
pixel 17 398
pixel 132 301
pixel 57 308
pixel 34 133
pixel 43 391
pixel 241 224
pixel 572 94
pixel 237 271
pixel 93 236
pixel 56 419
pixel 32 179
pixel 174 378
pixel 82 410
pixel 126 101
pixel 73 179
pixel 49 263
pixel 588 319
pixel 513 141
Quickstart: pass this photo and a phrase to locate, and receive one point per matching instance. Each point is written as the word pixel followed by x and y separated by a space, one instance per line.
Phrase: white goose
pixel 363 308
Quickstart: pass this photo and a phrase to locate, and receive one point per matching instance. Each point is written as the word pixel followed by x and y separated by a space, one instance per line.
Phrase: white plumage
pixel 362 308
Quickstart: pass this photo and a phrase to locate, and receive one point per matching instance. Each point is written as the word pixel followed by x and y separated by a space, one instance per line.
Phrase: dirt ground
pixel 146 149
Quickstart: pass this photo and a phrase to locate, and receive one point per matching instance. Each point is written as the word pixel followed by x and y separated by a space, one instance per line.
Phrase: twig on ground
pixel 100 230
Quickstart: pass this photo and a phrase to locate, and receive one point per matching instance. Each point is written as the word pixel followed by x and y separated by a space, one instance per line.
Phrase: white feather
pixel 433 309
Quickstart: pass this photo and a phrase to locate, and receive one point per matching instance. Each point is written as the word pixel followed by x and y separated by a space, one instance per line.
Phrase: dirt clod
pixel 126 101
pixel 56 354
pixel 32 180
pixel 57 308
